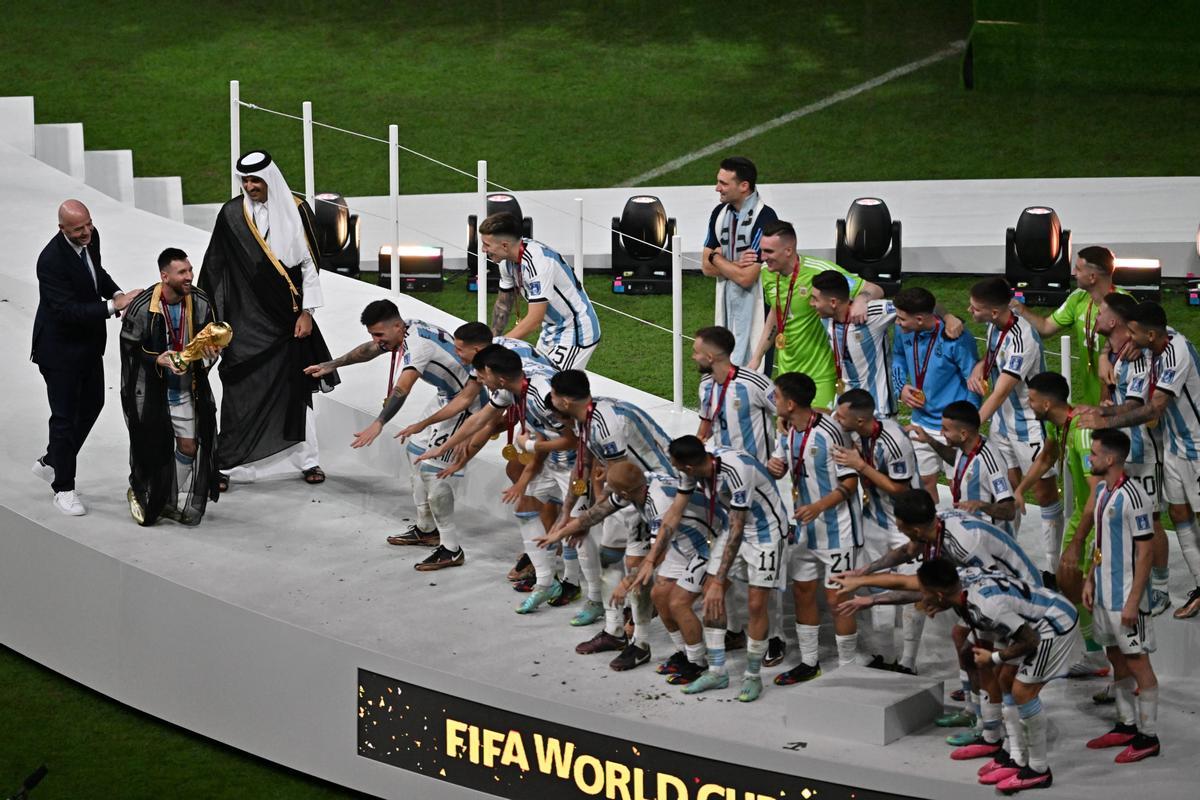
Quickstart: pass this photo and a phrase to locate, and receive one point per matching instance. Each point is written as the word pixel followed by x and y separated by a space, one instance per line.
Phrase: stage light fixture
pixel 420 268
pixel 496 203
pixel 1037 257
pixel 641 247
pixel 1141 277
pixel 337 233
pixel 868 244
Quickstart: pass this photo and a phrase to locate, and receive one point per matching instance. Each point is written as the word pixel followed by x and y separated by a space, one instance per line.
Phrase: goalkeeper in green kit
pixel 1070 446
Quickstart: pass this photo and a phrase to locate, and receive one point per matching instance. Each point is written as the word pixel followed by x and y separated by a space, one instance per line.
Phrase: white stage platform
pixel 253 628
pixel 948 226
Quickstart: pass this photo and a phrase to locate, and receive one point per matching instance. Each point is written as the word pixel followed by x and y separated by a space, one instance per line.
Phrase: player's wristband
pixel 712 254
pixel 996 657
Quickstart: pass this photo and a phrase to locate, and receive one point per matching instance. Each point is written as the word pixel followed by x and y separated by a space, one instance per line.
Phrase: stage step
pixel 111 172
pixel 60 144
pixel 868 706
pixel 162 196
pixel 16 123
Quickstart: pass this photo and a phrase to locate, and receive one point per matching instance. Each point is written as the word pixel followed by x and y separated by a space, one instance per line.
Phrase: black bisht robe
pixel 144 401
pixel 265 393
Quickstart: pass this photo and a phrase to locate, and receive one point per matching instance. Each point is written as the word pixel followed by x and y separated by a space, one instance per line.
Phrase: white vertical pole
pixel 579 240
pixel 235 137
pixel 394 191
pixel 1065 342
pixel 481 186
pixel 310 178
pixel 677 322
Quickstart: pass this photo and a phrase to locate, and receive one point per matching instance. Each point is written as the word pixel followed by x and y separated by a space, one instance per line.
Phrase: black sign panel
pixel 518 756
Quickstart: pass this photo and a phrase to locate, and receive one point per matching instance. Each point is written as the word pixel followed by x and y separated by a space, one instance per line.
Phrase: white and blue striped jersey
pixel 742 411
pixel 1020 355
pixel 837 528
pixel 982 476
pixel 538 415
pixel 1122 516
pixel 619 429
pixel 866 362
pixel 891 452
pixel 544 277
pixel 1002 604
pixel 1177 372
pixel 742 483
pixel 970 542
pixel 429 350
pixel 1133 383
pixel 519 346
pixel 695 532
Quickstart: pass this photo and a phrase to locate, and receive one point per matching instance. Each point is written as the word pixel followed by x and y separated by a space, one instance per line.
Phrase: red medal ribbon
pixel 922 367
pixel 840 355
pixel 935 549
pixel 719 408
pixel 174 337
pixel 581 448
pixel 712 489
pixel 1089 331
pixel 992 354
pixel 961 470
pixel 798 463
pixel 397 354
pixel 868 451
pixel 518 277
pixel 781 318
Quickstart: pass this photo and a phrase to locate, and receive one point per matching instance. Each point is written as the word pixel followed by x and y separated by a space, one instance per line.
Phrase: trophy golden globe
pixel 213 335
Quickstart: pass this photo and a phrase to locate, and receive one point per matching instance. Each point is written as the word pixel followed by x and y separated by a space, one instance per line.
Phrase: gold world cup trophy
pixel 214 334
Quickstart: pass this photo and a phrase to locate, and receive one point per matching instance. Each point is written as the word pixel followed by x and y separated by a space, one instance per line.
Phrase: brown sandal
pixel 314 475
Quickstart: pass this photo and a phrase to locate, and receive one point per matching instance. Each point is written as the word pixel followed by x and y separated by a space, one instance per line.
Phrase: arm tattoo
pixel 502 310
pixel 1024 642
pixel 896 597
pixel 1137 416
pixel 605 508
pixel 945 451
pixel 394 403
pixel 364 352
pixel 892 558
pixel 737 521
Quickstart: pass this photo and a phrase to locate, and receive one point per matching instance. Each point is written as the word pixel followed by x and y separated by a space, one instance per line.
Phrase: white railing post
pixel 677 322
pixel 310 179
pixel 235 137
pixel 1065 343
pixel 394 191
pixel 579 240
pixel 481 186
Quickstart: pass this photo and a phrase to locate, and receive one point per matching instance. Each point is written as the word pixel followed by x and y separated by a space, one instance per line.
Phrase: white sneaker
pixel 68 503
pixel 43 471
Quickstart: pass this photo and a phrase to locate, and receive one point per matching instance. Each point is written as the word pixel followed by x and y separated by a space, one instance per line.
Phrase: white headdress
pixel 285 229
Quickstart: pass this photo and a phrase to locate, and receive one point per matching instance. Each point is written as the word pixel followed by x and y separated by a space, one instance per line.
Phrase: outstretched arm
pixel 364 352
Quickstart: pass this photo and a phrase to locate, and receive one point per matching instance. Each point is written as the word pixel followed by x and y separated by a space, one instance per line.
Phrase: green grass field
pixel 552 94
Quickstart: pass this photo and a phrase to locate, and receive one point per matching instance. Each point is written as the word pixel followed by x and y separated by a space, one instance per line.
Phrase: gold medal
pixel 780 341
pixel 495 436
pixel 840 387
pixel 525 458
pixel 1151 423
pixel 509 452
pixel 795 496
pixel 579 487
pixel 987 387
pixel 866 498
pixel 919 396
pixel 1096 557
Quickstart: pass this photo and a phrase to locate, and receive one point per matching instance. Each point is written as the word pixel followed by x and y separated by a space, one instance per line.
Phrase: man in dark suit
pixel 75 297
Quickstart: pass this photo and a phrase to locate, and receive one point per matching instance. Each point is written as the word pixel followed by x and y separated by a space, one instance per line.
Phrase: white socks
pixel 589 565
pixel 807 638
pixel 1123 694
pixel 913 622
pixel 714 639
pixel 1189 543
pixel 530 523
pixel 1052 529
pixel 847 649
pixel 755 649
pixel 1012 727
pixel 1148 712
pixel 1033 720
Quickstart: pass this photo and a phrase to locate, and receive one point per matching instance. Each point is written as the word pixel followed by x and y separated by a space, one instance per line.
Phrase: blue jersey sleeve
pixel 900 357
pixel 765 217
pixel 710 236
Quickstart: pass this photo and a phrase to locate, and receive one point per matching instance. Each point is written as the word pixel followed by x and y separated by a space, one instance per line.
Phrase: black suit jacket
pixel 69 326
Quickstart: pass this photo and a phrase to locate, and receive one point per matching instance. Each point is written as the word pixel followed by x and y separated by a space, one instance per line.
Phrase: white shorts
pixel 1020 455
pixel 1151 478
pixel 566 356
pixel 1051 659
pixel 805 564
pixel 550 485
pixel 435 436
pixel 1181 481
pixel 928 461
pixel 183 417
pixel 687 572
pixel 626 530
pixel 1107 631
pixel 760 565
